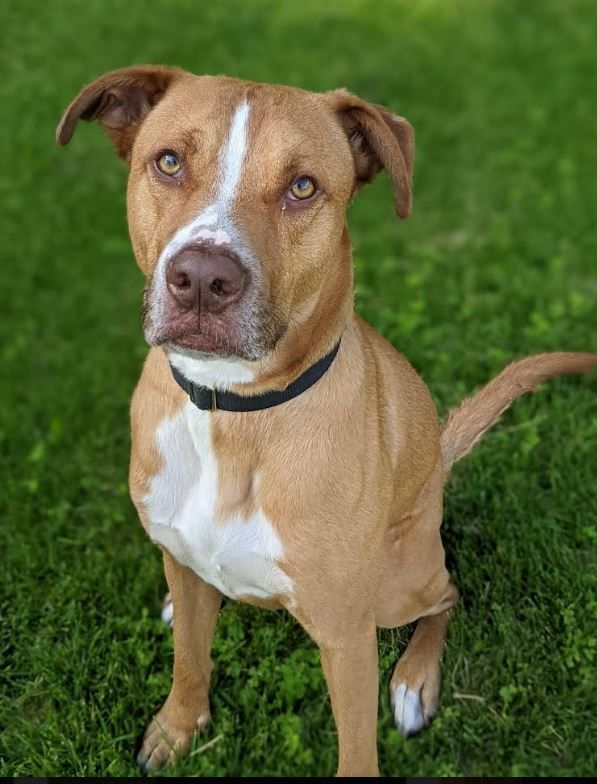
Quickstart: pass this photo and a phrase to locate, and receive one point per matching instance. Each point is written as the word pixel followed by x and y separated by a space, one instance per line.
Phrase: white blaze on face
pixel 232 155
pixel 213 223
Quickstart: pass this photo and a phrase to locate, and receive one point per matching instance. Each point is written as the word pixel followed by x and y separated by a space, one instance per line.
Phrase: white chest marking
pixel 239 556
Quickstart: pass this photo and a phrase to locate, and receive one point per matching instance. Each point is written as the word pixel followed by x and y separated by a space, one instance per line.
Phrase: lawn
pixel 498 261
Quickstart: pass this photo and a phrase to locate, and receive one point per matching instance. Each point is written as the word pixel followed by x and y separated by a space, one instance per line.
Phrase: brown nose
pixel 205 281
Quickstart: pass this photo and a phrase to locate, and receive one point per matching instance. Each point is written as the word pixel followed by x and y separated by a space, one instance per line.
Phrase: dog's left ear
pixel 379 140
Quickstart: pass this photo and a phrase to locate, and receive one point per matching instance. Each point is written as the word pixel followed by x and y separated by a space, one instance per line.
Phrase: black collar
pixel 208 399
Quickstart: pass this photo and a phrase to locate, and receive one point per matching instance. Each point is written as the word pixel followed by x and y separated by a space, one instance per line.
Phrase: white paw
pixel 167 610
pixel 409 714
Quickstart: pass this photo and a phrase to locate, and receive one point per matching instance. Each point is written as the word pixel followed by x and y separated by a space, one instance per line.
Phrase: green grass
pixel 498 261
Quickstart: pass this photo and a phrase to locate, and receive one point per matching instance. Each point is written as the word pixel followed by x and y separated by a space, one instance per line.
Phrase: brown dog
pixel 312 477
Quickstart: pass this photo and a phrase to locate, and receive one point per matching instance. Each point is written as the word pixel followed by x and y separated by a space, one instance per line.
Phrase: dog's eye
pixel 168 164
pixel 303 188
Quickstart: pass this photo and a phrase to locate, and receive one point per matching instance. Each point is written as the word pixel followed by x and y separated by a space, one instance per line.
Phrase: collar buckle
pixel 192 391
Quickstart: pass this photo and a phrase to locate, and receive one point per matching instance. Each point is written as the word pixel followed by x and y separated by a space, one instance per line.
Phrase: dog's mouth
pixel 222 343
pixel 249 332
pixel 200 341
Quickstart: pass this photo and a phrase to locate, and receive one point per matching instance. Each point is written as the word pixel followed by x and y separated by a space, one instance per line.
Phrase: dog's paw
pixel 167 610
pixel 410 715
pixel 414 693
pixel 164 743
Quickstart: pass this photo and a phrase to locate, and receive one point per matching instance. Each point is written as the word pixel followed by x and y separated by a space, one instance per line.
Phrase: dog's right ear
pixel 119 100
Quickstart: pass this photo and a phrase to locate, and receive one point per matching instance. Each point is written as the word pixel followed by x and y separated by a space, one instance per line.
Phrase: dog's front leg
pixel 196 605
pixel 351 671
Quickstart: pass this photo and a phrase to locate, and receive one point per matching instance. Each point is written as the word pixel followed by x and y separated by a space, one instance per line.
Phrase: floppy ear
pixel 119 100
pixel 379 140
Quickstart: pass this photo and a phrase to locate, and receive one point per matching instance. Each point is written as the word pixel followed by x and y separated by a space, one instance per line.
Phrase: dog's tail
pixel 467 423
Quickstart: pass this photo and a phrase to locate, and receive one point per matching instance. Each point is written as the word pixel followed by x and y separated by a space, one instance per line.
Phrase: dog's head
pixel 236 199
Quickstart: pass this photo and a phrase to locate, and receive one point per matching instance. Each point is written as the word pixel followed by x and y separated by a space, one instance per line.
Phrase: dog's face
pixel 236 199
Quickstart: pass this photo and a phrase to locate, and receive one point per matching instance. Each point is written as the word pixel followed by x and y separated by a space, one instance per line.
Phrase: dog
pixel 283 453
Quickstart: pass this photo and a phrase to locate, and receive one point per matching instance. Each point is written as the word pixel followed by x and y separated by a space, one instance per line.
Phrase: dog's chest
pixel 239 555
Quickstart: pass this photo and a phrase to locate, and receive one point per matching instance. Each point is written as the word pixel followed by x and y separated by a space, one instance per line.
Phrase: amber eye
pixel 303 188
pixel 168 164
